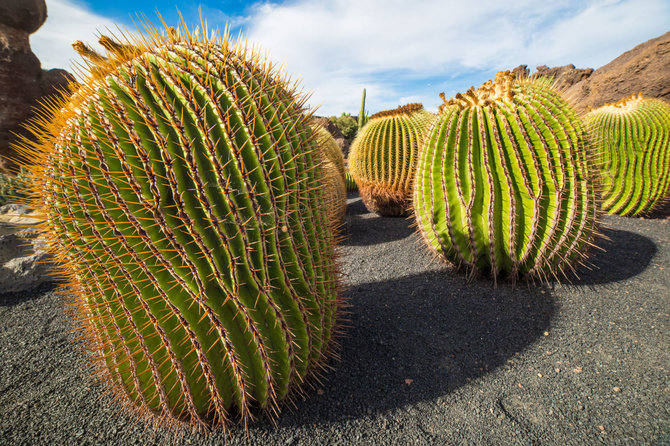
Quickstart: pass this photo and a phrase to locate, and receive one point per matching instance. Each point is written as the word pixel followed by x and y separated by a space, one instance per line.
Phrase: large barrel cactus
pixel 503 183
pixel 632 141
pixel 332 161
pixel 181 192
pixel 383 157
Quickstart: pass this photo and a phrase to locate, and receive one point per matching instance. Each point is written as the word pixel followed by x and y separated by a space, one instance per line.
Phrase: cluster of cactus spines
pixel 504 185
pixel 349 181
pixel 632 140
pixel 382 158
pixel 182 196
pixel 332 161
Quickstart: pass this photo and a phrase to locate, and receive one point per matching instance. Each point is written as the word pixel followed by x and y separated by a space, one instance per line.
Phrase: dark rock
pixel 23 84
pixel 565 76
pixel 644 69
pixel 521 71
pixel 26 15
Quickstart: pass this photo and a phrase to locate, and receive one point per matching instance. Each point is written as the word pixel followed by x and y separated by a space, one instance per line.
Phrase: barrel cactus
pixel 632 141
pixel 383 157
pixel 332 161
pixel 181 193
pixel 503 183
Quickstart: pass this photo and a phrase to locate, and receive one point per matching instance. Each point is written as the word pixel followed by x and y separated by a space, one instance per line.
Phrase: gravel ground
pixel 429 357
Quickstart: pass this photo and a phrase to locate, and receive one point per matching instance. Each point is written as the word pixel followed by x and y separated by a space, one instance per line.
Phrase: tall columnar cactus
pixel 362 115
pixel 350 182
pixel 332 161
pixel 503 183
pixel 382 158
pixel 632 140
pixel 181 192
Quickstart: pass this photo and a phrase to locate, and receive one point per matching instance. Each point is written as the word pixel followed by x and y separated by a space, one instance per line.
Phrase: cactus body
pixel 350 182
pixel 333 173
pixel 181 193
pixel 503 183
pixel 632 139
pixel 383 157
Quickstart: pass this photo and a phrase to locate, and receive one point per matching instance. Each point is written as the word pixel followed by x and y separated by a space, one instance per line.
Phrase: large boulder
pixel 644 69
pixel 23 83
pixel 25 262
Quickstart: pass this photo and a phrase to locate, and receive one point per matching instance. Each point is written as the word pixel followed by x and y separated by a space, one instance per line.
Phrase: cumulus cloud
pixel 400 50
pixel 396 47
pixel 66 23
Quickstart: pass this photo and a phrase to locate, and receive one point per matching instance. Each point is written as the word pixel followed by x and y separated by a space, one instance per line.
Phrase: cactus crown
pixel 181 195
pixel 503 182
pixel 490 93
pixel 632 143
pixel 406 110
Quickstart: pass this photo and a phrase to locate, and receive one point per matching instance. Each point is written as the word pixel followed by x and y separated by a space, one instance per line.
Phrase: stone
pixel 26 15
pixel 565 76
pixel 25 262
pixel 644 69
pixel 23 83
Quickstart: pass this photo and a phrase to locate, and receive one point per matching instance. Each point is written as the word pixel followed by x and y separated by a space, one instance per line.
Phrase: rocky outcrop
pixel 644 69
pixel 564 77
pixel 23 83
pixel 24 262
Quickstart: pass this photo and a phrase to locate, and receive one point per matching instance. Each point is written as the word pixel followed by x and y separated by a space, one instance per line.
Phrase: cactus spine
pixel 333 172
pixel 350 182
pixel 180 191
pixel 503 182
pixel 632 138
pixel 383 157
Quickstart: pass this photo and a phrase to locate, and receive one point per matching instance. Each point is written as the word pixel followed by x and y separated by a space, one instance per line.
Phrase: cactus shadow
pixel 624 255
pixel 419 337
pixel 363 228
pixel 9 299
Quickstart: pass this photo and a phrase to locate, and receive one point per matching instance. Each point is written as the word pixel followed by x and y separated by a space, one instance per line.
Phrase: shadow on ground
pixel 419 337
pixel 626 254
pixel 363 228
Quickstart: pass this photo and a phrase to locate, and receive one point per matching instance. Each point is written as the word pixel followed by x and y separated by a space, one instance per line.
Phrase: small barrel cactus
pixel 181 193
pixel 503 183
pixel 333 172
pixel 382 158
pixel 632 141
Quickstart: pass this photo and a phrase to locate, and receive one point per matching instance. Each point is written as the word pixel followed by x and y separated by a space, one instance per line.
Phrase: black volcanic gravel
pixel 429 358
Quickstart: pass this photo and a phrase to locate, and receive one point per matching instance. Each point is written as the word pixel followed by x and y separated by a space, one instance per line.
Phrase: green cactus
pixel 382 158
pixel 362 115
pixel 632 138
pixel 182 196
pixel 350 182
pixel 332 161
pixel 503 183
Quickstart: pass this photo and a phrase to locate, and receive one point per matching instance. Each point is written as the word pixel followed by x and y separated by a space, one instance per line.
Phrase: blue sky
pixel 400 50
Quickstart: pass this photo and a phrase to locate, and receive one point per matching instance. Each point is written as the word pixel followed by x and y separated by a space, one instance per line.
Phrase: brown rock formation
pixel 645 69
pixel 22 81
pixel 564 77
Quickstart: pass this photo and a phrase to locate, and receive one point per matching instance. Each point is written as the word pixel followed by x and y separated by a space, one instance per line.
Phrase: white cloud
pixel 401 50
pixel 66 23
pixel 341 46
